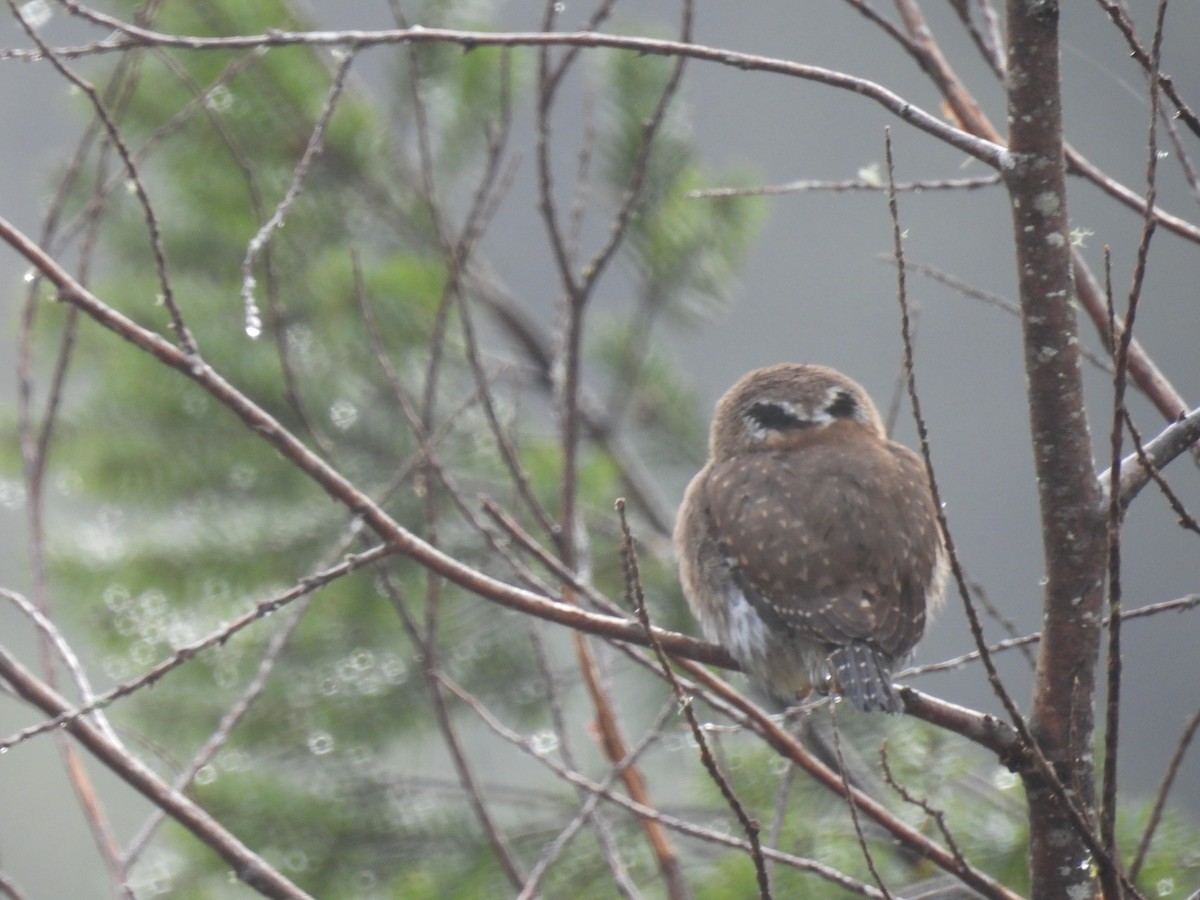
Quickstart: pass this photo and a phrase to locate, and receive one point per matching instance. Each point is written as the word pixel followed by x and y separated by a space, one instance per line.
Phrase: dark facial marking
pixel 843 406
pixel 776 418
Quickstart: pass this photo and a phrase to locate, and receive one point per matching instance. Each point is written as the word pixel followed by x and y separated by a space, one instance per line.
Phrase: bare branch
pixel 918 42
pixel 591 804
pixel 633 587
pixel 1139 468
pixel 956 569
pixel 1077 164
pixel 8 888
pixel 1164 790
pixel 247 865
pixel 785 744
pixel 938 816
pixel 1120 342
pixel 314 147
pixel 1180 604
pixel 189 651
pixel 991 299
pixel 68 656
pixel 857 184
pixel 850 802
pixel 229 721
pixel 337 486
pixel 423 640
pixel 1186 519
pixel 1164 82
pixel 672 822
pixel 134 36
pixel 184 335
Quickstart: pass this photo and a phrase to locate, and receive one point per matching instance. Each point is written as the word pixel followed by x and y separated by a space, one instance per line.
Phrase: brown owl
pixel 809 545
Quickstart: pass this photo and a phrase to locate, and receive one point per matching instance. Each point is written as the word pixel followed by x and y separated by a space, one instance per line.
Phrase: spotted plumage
pixel 809 545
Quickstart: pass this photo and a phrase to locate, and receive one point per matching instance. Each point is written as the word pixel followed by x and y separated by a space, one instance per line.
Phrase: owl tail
pixel 866 677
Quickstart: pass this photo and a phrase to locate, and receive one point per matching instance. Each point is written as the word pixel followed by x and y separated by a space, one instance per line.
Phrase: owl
pixel 809 544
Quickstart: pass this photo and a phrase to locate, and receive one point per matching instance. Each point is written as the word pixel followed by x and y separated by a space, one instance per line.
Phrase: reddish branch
pixel 577 290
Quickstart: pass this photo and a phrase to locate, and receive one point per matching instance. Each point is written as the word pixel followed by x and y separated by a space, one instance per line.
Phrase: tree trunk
pixel 1062 719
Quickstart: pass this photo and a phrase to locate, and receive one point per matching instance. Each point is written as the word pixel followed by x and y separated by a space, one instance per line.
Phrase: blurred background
pixel 812 287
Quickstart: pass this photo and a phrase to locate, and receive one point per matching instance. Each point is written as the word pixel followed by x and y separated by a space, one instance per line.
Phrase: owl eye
pixel 843 406
pixel 776 417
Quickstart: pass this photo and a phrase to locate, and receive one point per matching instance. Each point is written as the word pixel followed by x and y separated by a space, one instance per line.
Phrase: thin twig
pixel 919 44
pixel 637 481
pixel 1140 467
pixel 202 98
pixel 901 380
pixel 182 333
pixel 938 816
pixel 248 866
pixel 422 641
pixel 933 273
pixel 8 888
pixel 70 715
pixel 1108 795
pixel 1181 153
pixel 35 438
pixel 1120 343
pixel 779 814
pixel 135 36
pixel 1121 20
pixel 590 806
pixel 66 653
pixel 576 290
pixel 1164 790
pixel 990 732
pixel 674 823
pixel 987 42
pixel 547 559
pixel 604 837
pixel 316 143
pixel 997 615
pixel 1186 519
pixel 852 804
pixel 640 165
pixel 956 570
pixel 1180 604
pixel 493 186
pixel 637 599
pixel 1078 817
pixel 221 734
pixel 599 15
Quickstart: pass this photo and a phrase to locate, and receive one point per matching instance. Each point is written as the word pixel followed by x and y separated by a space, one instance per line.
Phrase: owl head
pixel 786 405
